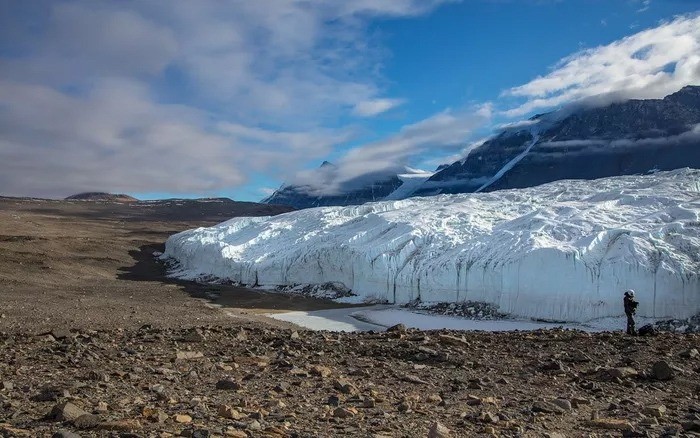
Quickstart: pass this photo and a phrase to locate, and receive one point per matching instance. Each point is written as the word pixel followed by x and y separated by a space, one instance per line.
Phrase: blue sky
pixel 232 98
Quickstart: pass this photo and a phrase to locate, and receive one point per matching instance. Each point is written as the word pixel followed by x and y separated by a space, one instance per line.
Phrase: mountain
pixel 101 196
pixel 584 142
pixel 359 190
pixel 631 137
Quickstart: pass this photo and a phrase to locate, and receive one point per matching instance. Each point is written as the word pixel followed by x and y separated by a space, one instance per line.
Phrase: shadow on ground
pixel 148 268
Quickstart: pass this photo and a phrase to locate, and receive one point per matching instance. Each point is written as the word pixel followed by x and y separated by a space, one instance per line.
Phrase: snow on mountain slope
pixel 562 251
pixel 409 183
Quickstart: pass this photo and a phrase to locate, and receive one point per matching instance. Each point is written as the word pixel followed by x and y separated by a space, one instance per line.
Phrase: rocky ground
pixel 95 341
pixel 251 381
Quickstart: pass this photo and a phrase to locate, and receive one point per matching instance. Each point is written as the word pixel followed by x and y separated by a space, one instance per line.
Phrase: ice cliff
pixel 562 251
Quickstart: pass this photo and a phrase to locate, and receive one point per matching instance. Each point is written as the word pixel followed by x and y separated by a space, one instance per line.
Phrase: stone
pixel 691 426
pixel 547 408
pixel 488 417
pixel 254 425
pixel 369 402
pixel 294 336
pixel 656 411
pixel 610 424
pixel 182 418
pixel 87 421
pixel 621 372
pixel 60 334
pixel 333 400
pixel 438 430
pixel 194 336
pixel 554 435
pixel 399 328
pixel 690 354
pixel 661 370
pixel 120 425
pixel 188 355
pixel 577 401
pixel 562 403
pixel 201 433
pixel 228 385
pixel 229 412
pixel 65 434
pixel 234 433
pixel 345 386
pixel 344 412
pixel 319 370
pixel 7 385
pixel 66 411
pixel 49 393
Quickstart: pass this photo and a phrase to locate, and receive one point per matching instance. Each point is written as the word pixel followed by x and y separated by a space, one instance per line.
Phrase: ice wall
pixel 563 251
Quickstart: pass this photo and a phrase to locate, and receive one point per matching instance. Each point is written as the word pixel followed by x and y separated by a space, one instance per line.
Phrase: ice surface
pixel 563 251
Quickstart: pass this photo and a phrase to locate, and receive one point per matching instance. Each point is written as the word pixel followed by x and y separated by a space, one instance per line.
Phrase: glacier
pixel 563 251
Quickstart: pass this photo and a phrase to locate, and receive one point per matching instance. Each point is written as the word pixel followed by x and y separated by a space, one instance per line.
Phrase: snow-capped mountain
pixel 631 137
pixel 562 251
pixel 366 188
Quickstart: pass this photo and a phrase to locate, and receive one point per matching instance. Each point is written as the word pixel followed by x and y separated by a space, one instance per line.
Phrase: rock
pixel 201 433
pixel 547 408
pixel 229 412
pixel 562 403
pixel 7 385
pixel 234 433
pixel 228 385
pixel 333 400
pixel 344 412
pixel 49 393
pixel 87 421
pixel 60 334
pixel 182 418
pixel 412 378
pixel 120 425
pixel 294 336
pixel 438 430
pixel 66 411
pixel 656 411
pixel 661 370
pixel 319 370
pixel 188 355
pixel 65 434
pixel 610 424
pixel 577 401
pixel 554 435
pixel 254 425
pixel 369 402
pixel 488 417
pixel 399 328
pixel 195 335
pixel 689 354
pixel 691 426
pixel 621 372
pixel 345 386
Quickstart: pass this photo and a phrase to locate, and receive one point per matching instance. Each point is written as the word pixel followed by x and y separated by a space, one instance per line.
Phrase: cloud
pixel 181 96
pixel 650 64
pixel 369 108
pixel 445 131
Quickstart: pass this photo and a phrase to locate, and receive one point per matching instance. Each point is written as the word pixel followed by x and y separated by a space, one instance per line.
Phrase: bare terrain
pixel 95 341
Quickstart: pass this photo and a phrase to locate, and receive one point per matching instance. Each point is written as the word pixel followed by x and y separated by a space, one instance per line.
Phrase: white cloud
pixel 180 96
pixel 369 108
pixel 650 64
pixel 445 131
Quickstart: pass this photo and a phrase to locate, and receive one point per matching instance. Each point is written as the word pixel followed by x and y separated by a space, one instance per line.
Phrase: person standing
pixel 630 310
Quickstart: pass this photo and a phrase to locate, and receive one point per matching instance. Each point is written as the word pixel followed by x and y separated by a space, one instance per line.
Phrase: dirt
pixel 90 265
pixel 95 341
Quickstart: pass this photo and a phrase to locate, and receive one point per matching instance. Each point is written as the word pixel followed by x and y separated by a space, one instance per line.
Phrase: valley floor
pixel 95 341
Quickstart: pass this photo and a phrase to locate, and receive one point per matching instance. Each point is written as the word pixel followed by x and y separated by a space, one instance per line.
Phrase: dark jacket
pixel 630 305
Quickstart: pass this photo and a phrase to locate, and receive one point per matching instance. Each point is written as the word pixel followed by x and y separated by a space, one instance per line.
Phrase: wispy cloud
pixel 649 64
pixel 369 108
pixel 446 131
pixel 180 95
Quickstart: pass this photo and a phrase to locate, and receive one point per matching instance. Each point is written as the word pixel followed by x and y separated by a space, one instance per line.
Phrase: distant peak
pixel 327 164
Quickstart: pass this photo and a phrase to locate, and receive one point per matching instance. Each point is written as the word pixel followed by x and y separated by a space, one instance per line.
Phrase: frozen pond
pixel 380 317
